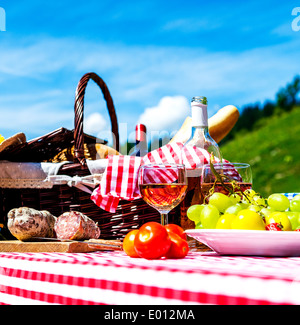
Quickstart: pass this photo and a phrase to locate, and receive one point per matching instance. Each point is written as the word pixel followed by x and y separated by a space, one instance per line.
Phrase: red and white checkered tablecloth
pixel 115 279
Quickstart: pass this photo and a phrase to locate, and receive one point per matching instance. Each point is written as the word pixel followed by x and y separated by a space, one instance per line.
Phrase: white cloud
pixel 35 58
pixel 190 25
pixel 35 120
pixel 38 79
pixel 94 124
pixel 167 115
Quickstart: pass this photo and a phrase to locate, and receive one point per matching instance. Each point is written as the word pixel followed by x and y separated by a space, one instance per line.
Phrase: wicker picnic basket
pixel 61 198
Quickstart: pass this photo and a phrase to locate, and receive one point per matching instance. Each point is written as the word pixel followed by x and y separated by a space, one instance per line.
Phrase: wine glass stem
pixel 164 219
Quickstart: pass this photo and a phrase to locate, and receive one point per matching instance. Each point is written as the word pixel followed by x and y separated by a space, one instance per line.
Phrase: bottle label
pixel 199 115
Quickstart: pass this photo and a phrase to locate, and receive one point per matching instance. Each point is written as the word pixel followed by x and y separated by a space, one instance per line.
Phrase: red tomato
pixel 176 230
pixel 128 243
pixel 179 247
pixel 152 241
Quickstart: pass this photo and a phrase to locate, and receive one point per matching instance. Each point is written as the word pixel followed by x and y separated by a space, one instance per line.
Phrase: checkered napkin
pixel 120 179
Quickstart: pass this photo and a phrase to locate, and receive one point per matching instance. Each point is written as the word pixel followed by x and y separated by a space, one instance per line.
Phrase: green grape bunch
pixel 247 211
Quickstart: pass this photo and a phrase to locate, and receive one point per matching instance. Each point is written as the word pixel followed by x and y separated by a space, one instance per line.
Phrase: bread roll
pixel 92 151
pixel 219 125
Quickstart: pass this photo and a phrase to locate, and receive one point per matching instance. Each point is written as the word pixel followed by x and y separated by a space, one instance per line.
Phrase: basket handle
pixel 78 108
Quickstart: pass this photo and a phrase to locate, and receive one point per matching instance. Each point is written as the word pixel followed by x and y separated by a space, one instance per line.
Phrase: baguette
pixel 219 125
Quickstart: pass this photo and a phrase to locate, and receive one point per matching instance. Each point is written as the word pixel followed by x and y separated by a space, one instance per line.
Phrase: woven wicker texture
pixel 61 198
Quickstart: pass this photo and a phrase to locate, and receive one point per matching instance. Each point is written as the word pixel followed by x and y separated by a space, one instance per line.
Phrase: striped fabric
pixel 120 178
pixel 114 278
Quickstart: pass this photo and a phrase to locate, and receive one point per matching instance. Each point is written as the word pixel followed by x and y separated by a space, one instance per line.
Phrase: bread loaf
pixel 219 125
pixel 25 223
pixel 92 151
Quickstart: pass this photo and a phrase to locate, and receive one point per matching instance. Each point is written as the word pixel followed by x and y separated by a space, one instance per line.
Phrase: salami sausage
pixel 25 223
pixel 77 226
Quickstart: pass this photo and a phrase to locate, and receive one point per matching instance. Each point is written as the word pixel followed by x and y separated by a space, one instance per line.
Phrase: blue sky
pixel 153 55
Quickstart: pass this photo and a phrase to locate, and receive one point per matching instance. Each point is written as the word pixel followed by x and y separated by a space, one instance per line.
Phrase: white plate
pixel 249 242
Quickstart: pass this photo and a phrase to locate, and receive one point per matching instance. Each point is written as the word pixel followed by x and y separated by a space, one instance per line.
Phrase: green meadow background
pixel 268 138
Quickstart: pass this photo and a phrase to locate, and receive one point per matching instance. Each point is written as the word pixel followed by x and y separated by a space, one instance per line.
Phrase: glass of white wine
pixel 163 187
pixel 225 178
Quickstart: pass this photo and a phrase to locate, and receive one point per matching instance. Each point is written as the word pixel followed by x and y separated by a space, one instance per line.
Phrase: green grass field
pixel 273 151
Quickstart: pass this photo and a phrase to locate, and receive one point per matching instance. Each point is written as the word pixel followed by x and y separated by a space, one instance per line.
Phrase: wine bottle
pixel 200 138
pixel 141 146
